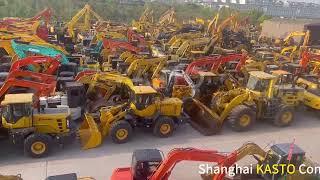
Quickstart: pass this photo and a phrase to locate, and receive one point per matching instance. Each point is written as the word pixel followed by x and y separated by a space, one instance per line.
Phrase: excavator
pixel 146 68
pixel 292 49
pixel 45 64
pixel 145 21
pixel 150 164
pixel 33 76
pixel 22 50
pixel 75 23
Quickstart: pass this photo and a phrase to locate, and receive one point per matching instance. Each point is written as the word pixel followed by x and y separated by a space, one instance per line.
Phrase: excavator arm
pixel 52 64
pixel 38 77
pixel 114 45
pixel 142 66
pixel 186 154
pixel 41 89
pixel 86 13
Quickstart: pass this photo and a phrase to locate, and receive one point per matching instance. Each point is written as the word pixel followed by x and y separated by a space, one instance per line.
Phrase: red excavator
pixel 148 164
pixel 135 37
pixel 32 76
pixel 306 57
pixel 114 45
pixel 15 85
pixel 49 64
pixel 214 63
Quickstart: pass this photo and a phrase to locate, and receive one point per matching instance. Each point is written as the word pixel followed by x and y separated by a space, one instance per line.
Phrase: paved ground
pixel 100 162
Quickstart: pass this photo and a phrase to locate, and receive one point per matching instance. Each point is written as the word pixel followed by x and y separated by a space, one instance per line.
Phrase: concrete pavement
pixel 100 162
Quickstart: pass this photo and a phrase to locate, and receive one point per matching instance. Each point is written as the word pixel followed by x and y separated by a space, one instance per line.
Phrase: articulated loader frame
pixel 92 134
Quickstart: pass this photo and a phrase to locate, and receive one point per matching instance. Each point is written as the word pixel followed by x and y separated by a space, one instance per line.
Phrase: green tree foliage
pixel 113 10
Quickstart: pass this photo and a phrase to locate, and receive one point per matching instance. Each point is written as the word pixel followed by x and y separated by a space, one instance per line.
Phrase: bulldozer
pixel 145 109
pixel 240 107
pixel 36 129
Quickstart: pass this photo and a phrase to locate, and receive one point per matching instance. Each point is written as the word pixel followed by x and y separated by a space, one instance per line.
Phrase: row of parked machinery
pixel 100 79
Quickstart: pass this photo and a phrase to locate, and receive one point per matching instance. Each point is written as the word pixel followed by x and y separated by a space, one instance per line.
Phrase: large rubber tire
pixel 163 127
pixel 37 145
pixel 121 132
pixel 241 118
pixel 284 117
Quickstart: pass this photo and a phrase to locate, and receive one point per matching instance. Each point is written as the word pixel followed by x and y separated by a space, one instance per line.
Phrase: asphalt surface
pixel 100 162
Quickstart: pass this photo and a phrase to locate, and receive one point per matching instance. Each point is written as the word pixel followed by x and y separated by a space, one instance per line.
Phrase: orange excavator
pixel 50 65
pixel 148 164
pixel 214 63
pixel 13 86
pixel 114 45
pixel 33 76
pixel 306 58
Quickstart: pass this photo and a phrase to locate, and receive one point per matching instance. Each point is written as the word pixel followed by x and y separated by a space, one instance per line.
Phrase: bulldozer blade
pixel 90 136
pixel 201 117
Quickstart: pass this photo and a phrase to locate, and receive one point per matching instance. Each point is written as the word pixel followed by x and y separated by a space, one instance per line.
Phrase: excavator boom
pixel 51 63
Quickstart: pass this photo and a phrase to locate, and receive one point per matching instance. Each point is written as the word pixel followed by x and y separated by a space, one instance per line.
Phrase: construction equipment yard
pixel 157 94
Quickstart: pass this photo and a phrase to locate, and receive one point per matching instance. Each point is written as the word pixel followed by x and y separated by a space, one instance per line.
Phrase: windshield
pixel 257 84
pixel 264 56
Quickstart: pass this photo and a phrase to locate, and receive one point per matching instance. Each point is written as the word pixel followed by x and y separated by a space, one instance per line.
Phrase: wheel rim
pixel 245 120
pixel 38 147
pixel 122 134
pixel 286 117
pixel 165 128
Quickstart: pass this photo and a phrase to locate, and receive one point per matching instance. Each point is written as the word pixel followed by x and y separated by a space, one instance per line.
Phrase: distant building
pixel 274 8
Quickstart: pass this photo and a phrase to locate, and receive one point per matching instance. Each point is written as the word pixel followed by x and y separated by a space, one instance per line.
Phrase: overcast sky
pixel 314 1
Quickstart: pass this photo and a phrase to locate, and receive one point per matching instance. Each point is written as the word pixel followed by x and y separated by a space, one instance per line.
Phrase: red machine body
pixel 37 60
pixel 175 156
pixel 114 45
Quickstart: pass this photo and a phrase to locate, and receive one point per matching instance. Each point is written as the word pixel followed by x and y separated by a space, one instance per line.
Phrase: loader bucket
pixel 201 117
pixel 90 136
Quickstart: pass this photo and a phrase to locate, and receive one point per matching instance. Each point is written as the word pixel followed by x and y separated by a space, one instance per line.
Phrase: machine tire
pixel 284 117
pixel 37 142
pixel 163 127
pixel 241 118
pixel 121 131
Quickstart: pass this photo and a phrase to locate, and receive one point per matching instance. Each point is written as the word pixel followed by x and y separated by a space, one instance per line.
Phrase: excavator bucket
pixel 90 136
pixel 201 117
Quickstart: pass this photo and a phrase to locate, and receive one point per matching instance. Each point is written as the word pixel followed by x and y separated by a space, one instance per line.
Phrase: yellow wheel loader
pixel 36 129
pixel 105 89
pixel 311 96
pixel 241 107
pixel 144 110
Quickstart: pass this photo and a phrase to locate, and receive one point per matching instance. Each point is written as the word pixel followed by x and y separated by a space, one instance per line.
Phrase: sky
pixel 313 1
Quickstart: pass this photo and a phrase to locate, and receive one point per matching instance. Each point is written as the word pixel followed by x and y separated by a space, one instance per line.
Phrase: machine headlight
pixel 68 123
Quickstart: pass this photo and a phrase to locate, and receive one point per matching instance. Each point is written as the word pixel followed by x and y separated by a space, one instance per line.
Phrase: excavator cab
pixel 145 162
pixel 279 154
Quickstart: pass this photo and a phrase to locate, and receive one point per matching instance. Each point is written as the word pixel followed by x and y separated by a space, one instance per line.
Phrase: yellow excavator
pixel 144 68
pixel 75 24
pixel 294 50
pixel 145 21
pixel 282 153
